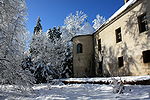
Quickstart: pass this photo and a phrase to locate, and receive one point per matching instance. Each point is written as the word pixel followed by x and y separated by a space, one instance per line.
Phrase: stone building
pixel 120 47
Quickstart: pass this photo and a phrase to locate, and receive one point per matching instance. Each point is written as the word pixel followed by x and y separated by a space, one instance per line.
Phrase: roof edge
pixel 81 35
pixel 111 20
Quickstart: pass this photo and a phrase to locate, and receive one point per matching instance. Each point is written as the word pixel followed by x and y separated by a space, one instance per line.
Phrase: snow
pixel 125 6
pixel 100 20
pixel 86 29
pixel 78 92
pixel 110 79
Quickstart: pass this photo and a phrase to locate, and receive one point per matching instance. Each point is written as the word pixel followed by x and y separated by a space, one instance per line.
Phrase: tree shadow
pixel 139 41
pixel 130 47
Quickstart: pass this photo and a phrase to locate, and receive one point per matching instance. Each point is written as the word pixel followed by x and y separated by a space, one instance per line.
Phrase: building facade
pixel 83 56
pixel 120 47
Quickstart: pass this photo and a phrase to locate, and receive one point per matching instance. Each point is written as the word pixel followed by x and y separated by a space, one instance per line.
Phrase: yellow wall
pixel 131 47
pixel 83 62
pixel 133 43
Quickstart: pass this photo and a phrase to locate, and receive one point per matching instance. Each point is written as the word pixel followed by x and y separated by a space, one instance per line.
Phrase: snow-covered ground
pixel 109 79
pixel 77 92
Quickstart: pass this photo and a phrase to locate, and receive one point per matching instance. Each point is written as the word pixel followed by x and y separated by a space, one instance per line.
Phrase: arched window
pixel 79 48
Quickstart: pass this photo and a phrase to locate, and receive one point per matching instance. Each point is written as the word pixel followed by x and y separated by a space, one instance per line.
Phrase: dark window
pixel 118 35
pixel 120 62
pixel 142 21
pixel 146 56
pixel 99 45
pixel 79 48
pixel 100 66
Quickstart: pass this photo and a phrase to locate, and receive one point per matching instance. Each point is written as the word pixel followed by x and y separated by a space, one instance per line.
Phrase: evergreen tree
pixel 38 27
pixel 46 54
pixel 37 40
pixel 54 34
pixel 67 64
pixel 27 64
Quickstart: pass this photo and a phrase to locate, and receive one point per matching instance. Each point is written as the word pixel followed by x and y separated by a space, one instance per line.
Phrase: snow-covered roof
pixel 79 35
pixel 123 8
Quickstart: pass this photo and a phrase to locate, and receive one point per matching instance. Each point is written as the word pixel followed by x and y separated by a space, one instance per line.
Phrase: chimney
pixel 126 1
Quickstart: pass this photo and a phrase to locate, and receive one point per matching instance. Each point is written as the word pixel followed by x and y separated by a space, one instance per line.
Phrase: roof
pixel 124 7
pixel 118 12
pixel 82 35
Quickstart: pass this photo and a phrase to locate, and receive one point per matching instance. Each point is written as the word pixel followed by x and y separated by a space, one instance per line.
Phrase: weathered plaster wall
pixel 131 46
pixel 83 65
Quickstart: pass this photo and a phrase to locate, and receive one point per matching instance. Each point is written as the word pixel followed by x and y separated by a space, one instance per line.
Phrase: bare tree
pixel 100 20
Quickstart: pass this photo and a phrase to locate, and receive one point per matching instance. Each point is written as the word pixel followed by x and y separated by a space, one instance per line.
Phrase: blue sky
pixel 53 12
